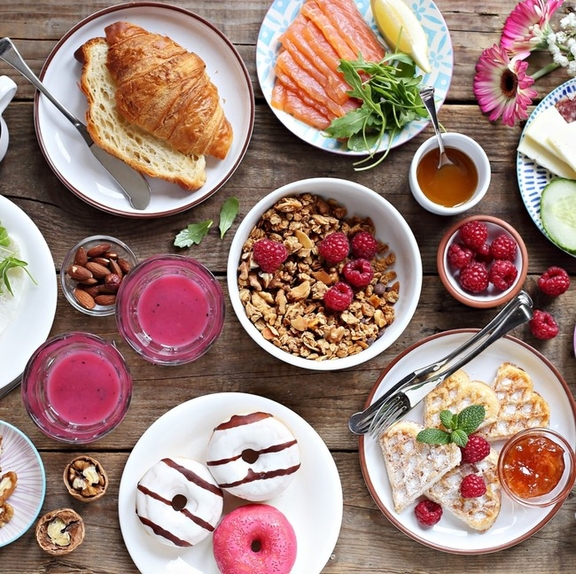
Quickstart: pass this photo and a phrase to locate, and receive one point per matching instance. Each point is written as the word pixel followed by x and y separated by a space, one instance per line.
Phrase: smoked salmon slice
pixel 309 84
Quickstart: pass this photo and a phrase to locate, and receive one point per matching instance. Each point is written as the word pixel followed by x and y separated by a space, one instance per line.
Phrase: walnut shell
pixel 60 531
pixel 85 479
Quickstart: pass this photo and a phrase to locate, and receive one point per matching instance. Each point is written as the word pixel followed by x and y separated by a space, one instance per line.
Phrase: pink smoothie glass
pixel 76 387
pixel 170 309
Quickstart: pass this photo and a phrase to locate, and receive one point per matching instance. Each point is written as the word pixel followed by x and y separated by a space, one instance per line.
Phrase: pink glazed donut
pixel 255 538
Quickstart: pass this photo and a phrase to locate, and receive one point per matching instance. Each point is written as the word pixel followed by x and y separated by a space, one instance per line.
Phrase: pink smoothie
pixel 173 310
pixel 83 387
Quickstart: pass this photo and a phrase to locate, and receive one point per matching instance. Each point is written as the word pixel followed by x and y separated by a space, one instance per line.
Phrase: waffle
pixel 413 467
pixel 478 513
pixel 456 393
pixel 520 406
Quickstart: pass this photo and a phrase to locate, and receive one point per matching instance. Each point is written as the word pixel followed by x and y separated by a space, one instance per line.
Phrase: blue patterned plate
pixel 283 12
pixel 533 178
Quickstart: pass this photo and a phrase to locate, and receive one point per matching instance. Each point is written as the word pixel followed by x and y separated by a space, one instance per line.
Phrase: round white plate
pixel 313 503
pixel 30 325
pixel 532 177
pixel 68 155
pixel 19 455
pixel 515 523
pixel 283 12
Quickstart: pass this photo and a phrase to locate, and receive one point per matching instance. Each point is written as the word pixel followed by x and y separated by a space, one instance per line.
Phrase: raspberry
pixel 542 325
pixel 474 234
pixel 474 277
pixel 358 272
pixel 504 247
pixel 339 296
pixel 477 448
pixel 554 281
pixel 502 274
pixel 459 255
pixel 364 245
pixel 428 513
pixel 483 254
pixel 269 255
pixel 334 247
pixel 472 486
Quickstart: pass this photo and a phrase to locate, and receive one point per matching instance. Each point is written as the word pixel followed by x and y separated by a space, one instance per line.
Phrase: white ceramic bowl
pixel 391 228
pixel 473 150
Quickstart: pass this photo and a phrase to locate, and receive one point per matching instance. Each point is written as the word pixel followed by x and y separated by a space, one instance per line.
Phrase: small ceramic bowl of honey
pixel 451 189
pixel 537 467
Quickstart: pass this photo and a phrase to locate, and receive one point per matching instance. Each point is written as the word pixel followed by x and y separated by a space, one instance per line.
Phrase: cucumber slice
pixel 558 213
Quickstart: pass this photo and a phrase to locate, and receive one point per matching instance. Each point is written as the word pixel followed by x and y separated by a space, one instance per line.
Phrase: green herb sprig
pixel 390 95
pixel 8 262
pixel 458 426
pixel 195 232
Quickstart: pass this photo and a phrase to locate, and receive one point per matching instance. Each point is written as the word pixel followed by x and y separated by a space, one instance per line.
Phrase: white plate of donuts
pixel 221 461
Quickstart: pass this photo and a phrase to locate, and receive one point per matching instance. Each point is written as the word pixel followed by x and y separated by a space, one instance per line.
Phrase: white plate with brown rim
pixel 69 157
pixel 515 523
pixel 313 502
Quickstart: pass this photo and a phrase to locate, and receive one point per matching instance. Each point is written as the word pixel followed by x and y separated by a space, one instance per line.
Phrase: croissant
pixel 165 90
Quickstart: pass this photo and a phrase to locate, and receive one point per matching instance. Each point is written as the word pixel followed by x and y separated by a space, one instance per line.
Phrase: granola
pixel 287 306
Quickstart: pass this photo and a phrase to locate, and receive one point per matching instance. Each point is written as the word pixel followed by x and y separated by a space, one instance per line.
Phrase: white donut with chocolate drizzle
pixel 253 456
pixel 178 502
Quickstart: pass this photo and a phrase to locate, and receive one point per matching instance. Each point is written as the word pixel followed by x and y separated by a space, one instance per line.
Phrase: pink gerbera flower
pixel 527 26
pixel 502 86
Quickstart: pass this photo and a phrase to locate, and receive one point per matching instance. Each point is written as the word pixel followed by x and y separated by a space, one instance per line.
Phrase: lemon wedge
pixel 401 30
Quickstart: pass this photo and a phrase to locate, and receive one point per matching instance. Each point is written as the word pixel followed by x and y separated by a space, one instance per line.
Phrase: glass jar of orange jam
pixel 533 466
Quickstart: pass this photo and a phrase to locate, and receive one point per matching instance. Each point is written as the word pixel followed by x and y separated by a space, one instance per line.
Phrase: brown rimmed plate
pixel 515 523
pixel 69 157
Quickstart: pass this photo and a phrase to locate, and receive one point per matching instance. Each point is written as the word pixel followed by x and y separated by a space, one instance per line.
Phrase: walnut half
pixel 85 479
pixel 60 531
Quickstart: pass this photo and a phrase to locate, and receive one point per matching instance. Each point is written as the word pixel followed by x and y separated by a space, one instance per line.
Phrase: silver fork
pixel 411 389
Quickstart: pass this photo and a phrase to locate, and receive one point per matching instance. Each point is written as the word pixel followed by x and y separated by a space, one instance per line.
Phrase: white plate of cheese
pixel 546 150
pixel 515 523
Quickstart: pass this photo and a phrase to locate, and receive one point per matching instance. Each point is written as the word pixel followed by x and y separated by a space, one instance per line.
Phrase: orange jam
pixel 451 185
pixel 533 466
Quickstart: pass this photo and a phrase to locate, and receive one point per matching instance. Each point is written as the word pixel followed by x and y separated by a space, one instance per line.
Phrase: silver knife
pixel 132 183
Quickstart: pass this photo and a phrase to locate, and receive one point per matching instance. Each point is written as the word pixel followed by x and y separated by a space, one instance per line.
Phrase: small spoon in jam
pixel 427 95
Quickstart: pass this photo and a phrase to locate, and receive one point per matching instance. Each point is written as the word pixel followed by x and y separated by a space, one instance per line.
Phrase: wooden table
pixel 368 542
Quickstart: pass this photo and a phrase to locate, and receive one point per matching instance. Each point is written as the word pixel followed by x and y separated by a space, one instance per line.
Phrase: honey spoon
pixel 427 95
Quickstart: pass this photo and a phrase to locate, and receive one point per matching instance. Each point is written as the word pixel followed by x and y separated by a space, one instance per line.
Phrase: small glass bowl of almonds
pixel 92 272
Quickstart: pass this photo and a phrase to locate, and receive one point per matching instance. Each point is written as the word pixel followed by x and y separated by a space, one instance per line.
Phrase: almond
pixel 105 299
pixel 85 299
pixel 80 257
pixel 99 271
pixel 79 273
pixel 98 250
pixel 124 265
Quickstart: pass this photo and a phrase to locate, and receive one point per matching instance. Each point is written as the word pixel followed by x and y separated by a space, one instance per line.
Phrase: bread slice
pixel 109 130
pixel 413 467
pixel 520 406
pixel 455 394
pixel 478 513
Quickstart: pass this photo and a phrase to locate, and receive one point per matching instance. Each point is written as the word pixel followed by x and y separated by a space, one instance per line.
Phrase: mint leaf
pixel 228 213
pixel 433 436
pixel 447 419
pixel 470 418
pixel 459 437
pixel 192 234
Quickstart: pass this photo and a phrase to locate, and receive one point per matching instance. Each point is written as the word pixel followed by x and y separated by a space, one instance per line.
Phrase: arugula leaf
pixel 458 426
pixel 4 239
pixel 228 213
pixel 390 95
pixel 6 264
pixel 193 233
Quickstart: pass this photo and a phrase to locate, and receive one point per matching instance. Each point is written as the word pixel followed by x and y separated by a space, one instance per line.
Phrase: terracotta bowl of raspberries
pixel 482 261
pixel 324 274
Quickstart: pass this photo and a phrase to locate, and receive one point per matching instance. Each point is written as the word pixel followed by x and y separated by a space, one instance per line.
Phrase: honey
pixel 451 185
pixel 533 466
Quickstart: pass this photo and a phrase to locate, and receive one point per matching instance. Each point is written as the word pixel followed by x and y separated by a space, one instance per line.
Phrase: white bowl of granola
pixel 335 277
